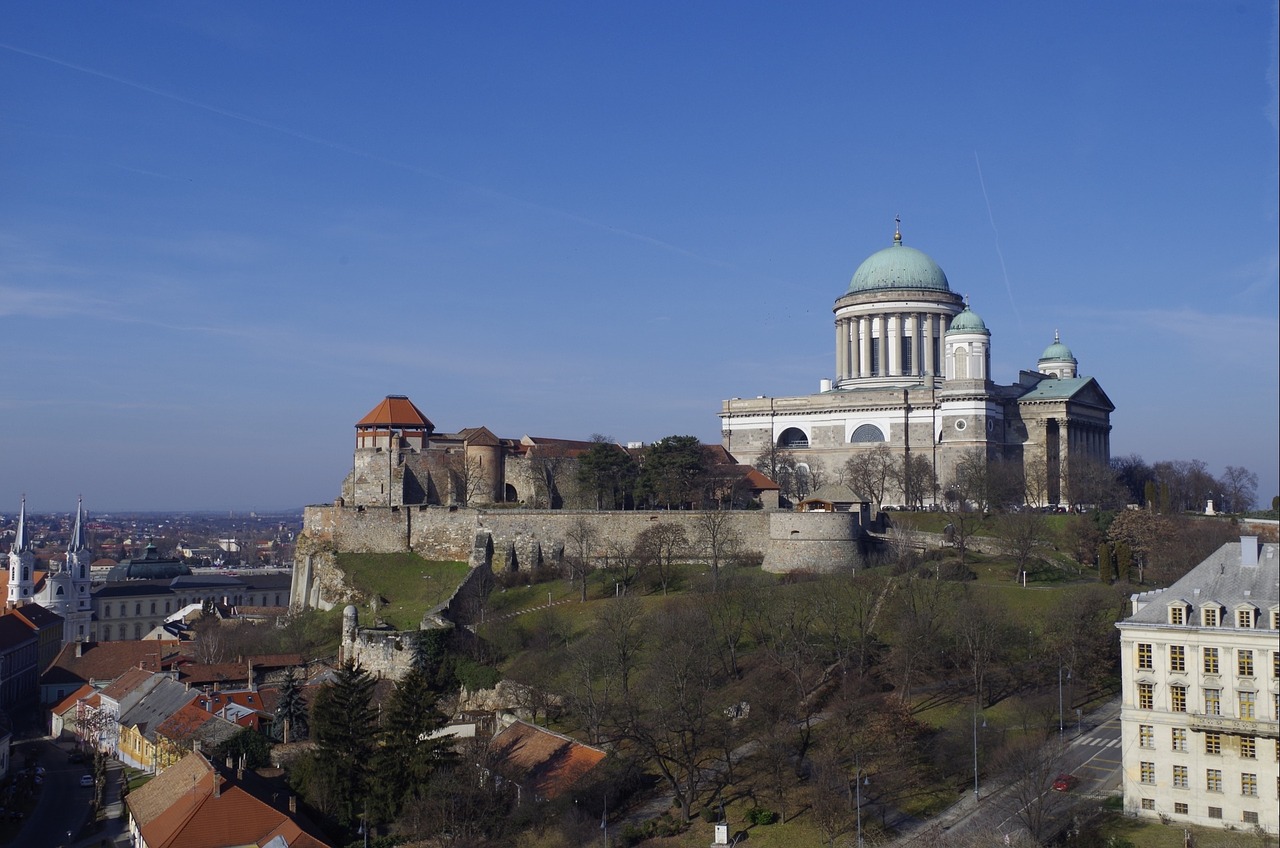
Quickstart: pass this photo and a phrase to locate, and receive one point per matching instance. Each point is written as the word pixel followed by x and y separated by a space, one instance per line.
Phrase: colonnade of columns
pixel 1093 440
pixel 855 336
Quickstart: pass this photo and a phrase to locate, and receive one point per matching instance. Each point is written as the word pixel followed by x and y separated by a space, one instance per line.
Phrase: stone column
pixel 930 322
pixel 864 344
pixel 851 341
pixel 842 349
pixel 913 333
pixel 895 346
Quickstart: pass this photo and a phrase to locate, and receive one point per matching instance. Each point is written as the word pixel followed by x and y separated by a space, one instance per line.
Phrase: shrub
pixel 761 816
pixel 475 676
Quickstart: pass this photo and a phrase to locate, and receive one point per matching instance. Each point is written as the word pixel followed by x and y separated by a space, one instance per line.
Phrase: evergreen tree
pixel 406 756
pixel 344 727
pixel 291 708
pixel 673 471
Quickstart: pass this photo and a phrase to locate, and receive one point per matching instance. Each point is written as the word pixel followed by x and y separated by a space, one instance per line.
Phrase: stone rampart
pixel 816 541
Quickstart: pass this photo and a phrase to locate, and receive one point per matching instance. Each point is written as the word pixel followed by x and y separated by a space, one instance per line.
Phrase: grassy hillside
pixel 410 584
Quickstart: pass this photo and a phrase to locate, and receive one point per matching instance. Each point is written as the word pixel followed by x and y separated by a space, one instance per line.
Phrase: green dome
pixel 898 267
pixel 1057 351
pixel 968 322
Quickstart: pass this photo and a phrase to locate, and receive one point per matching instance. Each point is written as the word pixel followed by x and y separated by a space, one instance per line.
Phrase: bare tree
pixel 718 539
pixel 548 469
pixel 869 472
pixel 470 483
pixel 579 552
pixel 1030 766
pixel 1021 534
pixel 1239 489
pixel 664 541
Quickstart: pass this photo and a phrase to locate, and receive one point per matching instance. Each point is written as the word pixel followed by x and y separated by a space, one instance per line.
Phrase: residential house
pixel 118 699
pixel 540 763
pixel 100 663
pixel 19 662
pixel 47 626
pixel 139 741
pixel 190 728
pixel 63 714
pixel 195 804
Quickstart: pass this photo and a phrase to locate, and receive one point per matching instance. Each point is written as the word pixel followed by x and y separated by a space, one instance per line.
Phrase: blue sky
pixel 227 230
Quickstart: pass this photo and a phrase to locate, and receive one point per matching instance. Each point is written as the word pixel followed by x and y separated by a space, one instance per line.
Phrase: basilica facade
pixel 913 374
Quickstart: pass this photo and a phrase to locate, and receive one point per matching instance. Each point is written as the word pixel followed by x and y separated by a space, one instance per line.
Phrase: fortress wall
pixel 818 541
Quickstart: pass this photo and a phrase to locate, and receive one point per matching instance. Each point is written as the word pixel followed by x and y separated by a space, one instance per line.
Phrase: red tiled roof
pixel 396 411
pixel 105 661
pixel 541 760
pixel 70 701
pixel 757 480
pixel 192 805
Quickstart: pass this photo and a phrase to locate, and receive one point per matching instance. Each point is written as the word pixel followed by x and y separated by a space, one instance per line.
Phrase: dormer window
pixel 1178 613
pixel 1209 616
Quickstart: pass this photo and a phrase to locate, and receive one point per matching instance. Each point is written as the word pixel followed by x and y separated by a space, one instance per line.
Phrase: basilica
pixel 913 373
pixel 64 589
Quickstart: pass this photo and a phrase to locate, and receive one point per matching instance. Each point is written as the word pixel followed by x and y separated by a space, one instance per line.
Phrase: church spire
pixel 77 533
pixel 20 540
pixel 897 229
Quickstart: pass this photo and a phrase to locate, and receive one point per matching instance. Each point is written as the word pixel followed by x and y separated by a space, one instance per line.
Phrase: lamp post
pixel 858 781
pixel 975 750
pixel 1061 739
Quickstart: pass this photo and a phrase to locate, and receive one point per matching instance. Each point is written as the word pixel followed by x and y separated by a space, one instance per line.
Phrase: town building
pixel 132 609
pixel 913 373
pixel 1200 665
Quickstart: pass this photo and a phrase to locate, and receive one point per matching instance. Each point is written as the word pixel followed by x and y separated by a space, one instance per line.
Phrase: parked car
pixel 86 780
pixel 1065 782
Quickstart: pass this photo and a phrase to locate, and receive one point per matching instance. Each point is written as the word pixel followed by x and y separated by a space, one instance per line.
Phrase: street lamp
pixel 1060 735
pixel 859 781
pixel 975 750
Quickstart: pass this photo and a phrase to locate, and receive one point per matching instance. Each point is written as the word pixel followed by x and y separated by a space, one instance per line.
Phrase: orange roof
pixel 396 411
pixel 542 760
pixel 70 701
pixel 190 804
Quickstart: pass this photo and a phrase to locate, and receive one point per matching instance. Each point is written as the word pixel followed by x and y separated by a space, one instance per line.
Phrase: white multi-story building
pixel 1201 707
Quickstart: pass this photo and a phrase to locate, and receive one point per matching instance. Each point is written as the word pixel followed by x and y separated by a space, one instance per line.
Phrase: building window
pixel 1144 656
pixel 166 607
pixel 793 438
pixel 1244 618
pixel 137 608
pixel 1177 658
pixel 1213 743
pixel 1148 804
pixel 1176 615
pixel 1210 616
pixel 1275 664
pixel 1146 696
pixel 1178 698
pixel 863 433
pixel 1179 735
pixel 1213 702
pixel 1146 736
pixel 123 610
pixel 1213 782
pixel 1179 809
pixel 1210 660
pixel 1248 748
pixel 1248 706
pixel 1244 663
pixel 1180 779
pixel 1215 812
pixel 1148 771
pixel 1249 817
pixel 106 610
pixel 1249 784
pixel 153 607
pixel 137 631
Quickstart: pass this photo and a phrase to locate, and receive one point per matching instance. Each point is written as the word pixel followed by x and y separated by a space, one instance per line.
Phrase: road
pixel 61 815
pixel 1092 754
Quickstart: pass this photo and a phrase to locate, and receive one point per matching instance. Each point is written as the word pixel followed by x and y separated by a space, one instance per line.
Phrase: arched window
pixel 793 437
pixel 867 433
pixel 59 592
pixel 26 573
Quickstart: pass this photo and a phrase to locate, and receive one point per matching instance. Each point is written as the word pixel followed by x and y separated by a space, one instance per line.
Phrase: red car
pixel 1065 782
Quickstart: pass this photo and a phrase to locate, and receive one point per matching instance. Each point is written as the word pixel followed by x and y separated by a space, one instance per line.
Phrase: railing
pixel 1236 726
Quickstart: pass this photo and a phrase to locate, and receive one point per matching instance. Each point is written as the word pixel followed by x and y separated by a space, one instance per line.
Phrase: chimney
pixel 1248 551
pixel 217 785
pixel 79 649
pixel 293 805
pixel 231 763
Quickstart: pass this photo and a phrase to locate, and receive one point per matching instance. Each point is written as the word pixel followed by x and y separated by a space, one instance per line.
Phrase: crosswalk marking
pixel 1104 743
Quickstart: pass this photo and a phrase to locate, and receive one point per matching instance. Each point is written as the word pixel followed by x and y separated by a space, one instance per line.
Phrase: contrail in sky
pixel 364 154
pixel 999 253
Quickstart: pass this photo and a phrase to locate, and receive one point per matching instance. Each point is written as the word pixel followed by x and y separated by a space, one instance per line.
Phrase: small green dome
pixel 898 267
pixel 1057 351
pixel 968 322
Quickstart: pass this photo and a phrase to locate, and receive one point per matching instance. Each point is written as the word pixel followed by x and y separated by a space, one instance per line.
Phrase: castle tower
pixel 385 437
pixel 21 563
